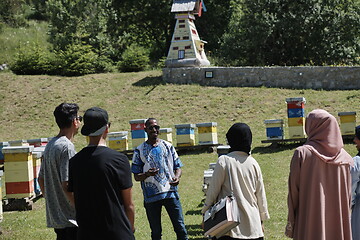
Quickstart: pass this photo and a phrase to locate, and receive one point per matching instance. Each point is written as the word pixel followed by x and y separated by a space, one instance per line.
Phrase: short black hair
pixel 148 120
pixel 65 114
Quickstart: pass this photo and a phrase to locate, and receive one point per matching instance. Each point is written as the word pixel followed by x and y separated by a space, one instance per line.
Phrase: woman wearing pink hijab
pixel 320 183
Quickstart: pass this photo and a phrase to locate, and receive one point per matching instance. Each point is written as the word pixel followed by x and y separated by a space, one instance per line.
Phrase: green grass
pixel 12 38
pixel 27 103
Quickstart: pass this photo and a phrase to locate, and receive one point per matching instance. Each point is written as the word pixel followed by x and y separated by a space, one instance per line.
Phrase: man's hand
pixel 175 181
pixel 152 172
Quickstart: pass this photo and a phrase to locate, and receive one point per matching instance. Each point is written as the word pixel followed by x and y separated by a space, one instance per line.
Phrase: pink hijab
pixel 324 138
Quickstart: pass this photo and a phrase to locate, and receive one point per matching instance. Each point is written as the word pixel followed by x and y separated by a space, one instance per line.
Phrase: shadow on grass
pixel 273 148
pixel 195 231
pixel 279 147
pixel 150 81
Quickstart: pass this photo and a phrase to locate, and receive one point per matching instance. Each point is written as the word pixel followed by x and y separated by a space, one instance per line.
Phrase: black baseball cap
pixel 95 122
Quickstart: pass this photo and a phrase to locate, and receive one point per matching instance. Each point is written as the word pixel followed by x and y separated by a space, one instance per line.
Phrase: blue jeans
pixel 173 208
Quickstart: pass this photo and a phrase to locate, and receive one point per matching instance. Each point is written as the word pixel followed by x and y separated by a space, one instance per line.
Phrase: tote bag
pixel 221 217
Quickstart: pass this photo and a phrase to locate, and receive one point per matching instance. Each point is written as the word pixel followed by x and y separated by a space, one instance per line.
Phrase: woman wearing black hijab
pixel 247 184
pixel 355 189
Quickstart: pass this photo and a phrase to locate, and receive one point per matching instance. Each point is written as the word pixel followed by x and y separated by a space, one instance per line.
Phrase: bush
pixel 77 60
pixel 134 59
pixel 31 59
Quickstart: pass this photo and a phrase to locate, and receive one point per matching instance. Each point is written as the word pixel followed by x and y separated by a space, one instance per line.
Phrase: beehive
pixel 2 144
pixel 274 129
pixel 207 133
pixel 19 172
pixel 138 134
pixel 222 150
pixel 118 141
pixel 38 142
pixel 185 135
pixel 166 134
pixel 296 115
pixel 21 142
pixel 347 122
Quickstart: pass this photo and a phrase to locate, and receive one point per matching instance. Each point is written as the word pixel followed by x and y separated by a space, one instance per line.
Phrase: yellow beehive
pixel 166 134
pixel 347 122
pixel 207 133
pixel 21 142
pixel 185 135
pixel 18 166
pixel 118 141
pixel 296 121
pixel 297 131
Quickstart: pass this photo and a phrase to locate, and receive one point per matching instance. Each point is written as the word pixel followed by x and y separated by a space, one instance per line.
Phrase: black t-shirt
pixel 96 176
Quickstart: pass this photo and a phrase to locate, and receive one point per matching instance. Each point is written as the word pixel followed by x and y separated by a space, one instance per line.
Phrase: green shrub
pixel 104 64
pixel 134 59
pixel 77 60
pixel 31 59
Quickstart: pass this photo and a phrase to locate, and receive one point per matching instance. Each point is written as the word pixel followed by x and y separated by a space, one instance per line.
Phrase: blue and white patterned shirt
pixel 162 157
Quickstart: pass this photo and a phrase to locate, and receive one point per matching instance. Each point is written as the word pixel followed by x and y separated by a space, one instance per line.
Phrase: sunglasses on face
pixel 80 118
pixel 156 127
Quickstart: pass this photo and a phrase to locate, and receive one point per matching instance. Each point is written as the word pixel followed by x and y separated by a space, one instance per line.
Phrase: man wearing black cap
pixel 355 175
pixel 101 181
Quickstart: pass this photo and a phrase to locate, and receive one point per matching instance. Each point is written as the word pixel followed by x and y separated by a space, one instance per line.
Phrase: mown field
pixel 27 103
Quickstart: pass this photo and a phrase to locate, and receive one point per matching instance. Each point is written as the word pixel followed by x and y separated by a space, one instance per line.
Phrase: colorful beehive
pixel 347 122
pixel 118 140
pixel 222 150
pixel 37 155
pixel 296 117
pixel 138 134
pixel 166 134
pixel 207 133
pixel 2 144
pixel 38 142
pixel 21 142
pixel 207 179
pixel 186 48
pixel 19 172
pixel 185 135
pixel 274 129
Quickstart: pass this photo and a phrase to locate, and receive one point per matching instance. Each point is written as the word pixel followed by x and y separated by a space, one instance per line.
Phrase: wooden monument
pixel 186 49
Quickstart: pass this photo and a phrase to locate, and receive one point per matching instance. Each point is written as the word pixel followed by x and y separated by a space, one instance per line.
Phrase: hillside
pixel 26 109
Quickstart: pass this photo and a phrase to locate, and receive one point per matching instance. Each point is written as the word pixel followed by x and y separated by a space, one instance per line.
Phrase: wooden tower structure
pixel 186 49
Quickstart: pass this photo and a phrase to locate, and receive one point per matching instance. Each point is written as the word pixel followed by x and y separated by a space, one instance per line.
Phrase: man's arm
pixel 142 176
pixel 42 185
pixel 69 195
pixel 129 206
pixel 176 179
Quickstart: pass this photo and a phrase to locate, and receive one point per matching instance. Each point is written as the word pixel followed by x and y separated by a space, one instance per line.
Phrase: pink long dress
pixel 320 183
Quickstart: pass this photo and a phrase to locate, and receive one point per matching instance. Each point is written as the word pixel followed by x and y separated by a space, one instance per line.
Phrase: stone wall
pixel 327 78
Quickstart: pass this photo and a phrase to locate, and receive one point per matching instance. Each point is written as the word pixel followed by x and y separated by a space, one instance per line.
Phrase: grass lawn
pixel 27 103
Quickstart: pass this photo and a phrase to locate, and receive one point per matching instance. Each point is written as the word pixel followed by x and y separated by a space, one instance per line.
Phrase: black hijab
pixel 357 134
pixel 239 137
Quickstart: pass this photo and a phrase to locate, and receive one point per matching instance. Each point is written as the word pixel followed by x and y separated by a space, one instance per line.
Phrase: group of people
pixel 89 194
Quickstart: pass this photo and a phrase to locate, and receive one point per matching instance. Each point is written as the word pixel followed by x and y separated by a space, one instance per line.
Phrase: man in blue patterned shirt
pixel 157 166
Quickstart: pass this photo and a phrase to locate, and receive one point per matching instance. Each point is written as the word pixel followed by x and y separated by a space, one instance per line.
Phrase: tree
pixel 286 32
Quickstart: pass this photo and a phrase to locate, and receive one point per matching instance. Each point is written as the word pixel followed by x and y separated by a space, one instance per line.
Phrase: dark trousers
pixel 66 233
pixel 173 207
